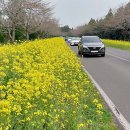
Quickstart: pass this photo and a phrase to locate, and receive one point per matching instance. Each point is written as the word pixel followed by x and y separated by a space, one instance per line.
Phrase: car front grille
pixel 94 48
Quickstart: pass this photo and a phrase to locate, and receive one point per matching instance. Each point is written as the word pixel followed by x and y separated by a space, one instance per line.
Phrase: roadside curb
pixel 120 118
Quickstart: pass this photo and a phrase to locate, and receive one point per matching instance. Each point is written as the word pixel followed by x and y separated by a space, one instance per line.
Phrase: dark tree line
pixel 115 25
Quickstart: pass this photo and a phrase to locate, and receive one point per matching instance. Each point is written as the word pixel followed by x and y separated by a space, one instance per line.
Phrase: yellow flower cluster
pixel 42 86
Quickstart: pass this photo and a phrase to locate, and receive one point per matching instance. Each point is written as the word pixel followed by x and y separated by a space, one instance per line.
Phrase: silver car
pixel 74 41
pixel 91 45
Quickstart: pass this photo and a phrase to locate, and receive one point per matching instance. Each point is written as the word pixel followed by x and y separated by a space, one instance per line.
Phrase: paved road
pixel 112 73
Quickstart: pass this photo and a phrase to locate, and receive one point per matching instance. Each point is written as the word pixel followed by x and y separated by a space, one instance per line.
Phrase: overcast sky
pixel 78 12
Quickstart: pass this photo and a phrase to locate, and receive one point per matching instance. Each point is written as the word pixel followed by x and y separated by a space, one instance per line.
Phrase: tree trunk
pixel 27 32
pixel 27 35
pixel 9 35
pixel 13 33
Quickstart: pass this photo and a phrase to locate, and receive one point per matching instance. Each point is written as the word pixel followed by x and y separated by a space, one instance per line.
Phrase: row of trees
pixel 30 19
pixel 26 19
pixel 115 25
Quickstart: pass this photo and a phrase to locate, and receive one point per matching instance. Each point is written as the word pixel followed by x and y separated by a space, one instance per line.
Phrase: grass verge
pixel 43 87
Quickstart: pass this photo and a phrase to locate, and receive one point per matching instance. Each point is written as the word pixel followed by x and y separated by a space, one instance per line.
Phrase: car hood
pixel 93 44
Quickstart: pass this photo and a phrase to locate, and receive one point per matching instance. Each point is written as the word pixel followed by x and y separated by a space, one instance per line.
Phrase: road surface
pixel 112 73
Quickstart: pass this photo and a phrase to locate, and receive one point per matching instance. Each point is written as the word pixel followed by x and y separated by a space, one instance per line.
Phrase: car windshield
pixel 91 40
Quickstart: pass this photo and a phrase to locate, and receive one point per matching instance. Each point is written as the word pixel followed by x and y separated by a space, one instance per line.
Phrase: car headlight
pixel 85 48
pixel 102 50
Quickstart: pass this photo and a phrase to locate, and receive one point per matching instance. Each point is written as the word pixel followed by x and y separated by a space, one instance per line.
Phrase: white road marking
pixel 114 109
pixel 118 57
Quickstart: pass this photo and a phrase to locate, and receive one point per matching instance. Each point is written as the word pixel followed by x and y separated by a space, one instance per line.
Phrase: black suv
pixel 91 45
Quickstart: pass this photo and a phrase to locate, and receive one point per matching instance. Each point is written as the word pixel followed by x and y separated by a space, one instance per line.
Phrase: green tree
pixel 65 28
pixel 92 21
pixel 109 14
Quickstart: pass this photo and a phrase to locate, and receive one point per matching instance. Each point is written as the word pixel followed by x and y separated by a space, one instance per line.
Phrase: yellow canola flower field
pixel 125 45
pixel 43 87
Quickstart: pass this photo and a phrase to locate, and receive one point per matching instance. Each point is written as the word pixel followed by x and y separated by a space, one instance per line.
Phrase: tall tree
pixel 11 14
pixel 109 14
pixel 29 15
